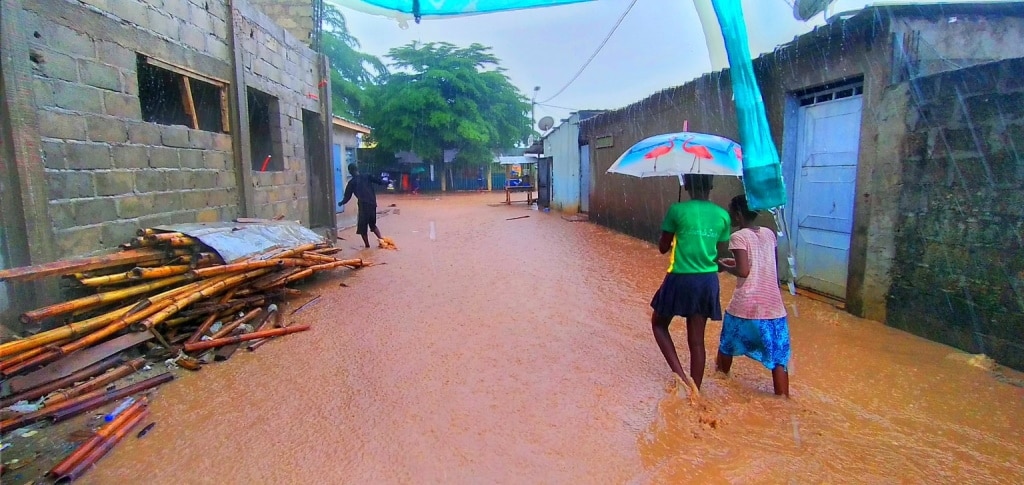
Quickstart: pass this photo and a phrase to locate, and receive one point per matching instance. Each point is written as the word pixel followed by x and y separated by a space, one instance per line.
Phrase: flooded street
pixel 520 351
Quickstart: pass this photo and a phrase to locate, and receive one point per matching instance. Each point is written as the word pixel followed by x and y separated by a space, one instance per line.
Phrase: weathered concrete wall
pixel 958 275
pixel 5 297
pixel 108 171
pixel 951 42
pixel 296 16
pixel 277 63
pixel 637 206
pixel 563 146
pixel 858 49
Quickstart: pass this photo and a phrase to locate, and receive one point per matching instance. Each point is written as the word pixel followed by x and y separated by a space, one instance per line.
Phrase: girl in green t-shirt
pixel 695 232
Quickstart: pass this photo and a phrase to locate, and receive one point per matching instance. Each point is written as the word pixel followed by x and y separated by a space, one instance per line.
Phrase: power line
pixel 596 52
pixel 557 107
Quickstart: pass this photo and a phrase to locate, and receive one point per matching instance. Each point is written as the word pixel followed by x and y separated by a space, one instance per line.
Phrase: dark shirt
pixel 361 186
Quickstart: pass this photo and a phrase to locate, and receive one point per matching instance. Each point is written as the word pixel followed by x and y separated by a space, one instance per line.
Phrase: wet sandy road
pixel 519 352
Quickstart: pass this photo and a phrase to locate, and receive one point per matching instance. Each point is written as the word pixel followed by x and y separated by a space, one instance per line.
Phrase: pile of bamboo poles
pixel 163 287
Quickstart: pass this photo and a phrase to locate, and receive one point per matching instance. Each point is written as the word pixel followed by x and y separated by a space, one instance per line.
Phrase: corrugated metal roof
pixel 338 120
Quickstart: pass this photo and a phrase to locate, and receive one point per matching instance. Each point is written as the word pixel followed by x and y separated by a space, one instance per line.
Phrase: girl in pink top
pixel 755 321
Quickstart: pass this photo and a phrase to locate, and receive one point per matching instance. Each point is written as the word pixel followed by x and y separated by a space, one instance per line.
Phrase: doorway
pixel 321 214
pixel 827 146
pixel 585 178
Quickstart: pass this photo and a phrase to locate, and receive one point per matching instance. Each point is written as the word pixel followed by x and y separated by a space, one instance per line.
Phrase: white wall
pixel 562 145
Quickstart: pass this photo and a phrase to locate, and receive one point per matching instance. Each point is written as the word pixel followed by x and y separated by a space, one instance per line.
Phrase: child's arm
pixel 742 267
pixel 665 243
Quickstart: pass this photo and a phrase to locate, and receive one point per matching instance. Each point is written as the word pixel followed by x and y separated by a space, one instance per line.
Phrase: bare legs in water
pixel 780 378
pixel 366 238
pixel 695 325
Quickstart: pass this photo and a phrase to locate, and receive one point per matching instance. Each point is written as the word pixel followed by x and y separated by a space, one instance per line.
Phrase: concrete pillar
pixel 240 145
pixel 28 233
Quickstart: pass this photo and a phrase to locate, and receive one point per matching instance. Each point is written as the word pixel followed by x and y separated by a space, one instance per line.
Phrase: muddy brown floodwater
pixel 519 351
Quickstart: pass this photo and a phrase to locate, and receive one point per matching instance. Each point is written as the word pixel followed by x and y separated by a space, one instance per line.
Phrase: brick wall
pixel 108 172
pixel 295 16
pixel 958 275
pixel 277 63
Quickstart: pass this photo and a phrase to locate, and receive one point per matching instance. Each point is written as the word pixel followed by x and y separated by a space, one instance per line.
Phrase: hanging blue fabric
pixel 762 172
pixel 420 8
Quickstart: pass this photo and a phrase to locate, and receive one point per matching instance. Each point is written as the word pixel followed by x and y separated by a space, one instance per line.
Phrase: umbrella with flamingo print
pixel 677 154
pixel 681 153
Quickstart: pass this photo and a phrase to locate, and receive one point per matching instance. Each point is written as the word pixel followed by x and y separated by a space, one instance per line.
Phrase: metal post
pixel 533 110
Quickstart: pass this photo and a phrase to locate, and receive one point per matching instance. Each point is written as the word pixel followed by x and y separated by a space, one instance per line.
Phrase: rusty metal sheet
pixel 235 241
pixel 78 361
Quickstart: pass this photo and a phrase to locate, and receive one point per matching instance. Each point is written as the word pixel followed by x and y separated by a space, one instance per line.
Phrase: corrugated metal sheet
pixel 235 241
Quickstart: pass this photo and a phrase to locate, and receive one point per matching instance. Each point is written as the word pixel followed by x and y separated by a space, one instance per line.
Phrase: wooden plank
pixel 188 102
pixel 56 268
pixel 78 360
pixel 184 71
pixel 225 114
pixel 225 352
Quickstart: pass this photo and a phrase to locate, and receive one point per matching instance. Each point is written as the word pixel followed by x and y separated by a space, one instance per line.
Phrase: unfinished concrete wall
pixel 940 43
pixel 276 63
pixel 958 276
pixel 637 206
pixel 109 171
pixel 296 16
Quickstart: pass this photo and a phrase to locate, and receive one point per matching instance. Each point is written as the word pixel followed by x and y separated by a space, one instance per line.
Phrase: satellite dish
pixel 805 9
pixel 546 123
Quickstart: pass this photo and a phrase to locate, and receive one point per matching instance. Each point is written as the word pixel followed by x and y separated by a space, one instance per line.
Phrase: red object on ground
pixel 265 163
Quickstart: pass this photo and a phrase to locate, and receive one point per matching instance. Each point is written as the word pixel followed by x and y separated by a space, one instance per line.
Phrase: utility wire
pixel 596 52
pixel 556 107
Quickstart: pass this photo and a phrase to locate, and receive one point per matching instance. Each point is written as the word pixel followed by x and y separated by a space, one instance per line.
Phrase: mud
pixel 510 351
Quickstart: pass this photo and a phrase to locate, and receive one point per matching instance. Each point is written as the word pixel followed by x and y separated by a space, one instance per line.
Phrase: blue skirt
pixel 686 295
pixel 766 341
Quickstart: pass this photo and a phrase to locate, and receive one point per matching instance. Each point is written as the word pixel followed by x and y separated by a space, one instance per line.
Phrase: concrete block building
pixel 136 113
pixel 897 128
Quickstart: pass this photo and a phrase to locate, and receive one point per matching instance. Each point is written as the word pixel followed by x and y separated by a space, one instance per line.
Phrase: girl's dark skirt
pixel 685 295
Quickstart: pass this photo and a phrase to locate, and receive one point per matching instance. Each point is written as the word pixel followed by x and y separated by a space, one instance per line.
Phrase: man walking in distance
pixel 361 186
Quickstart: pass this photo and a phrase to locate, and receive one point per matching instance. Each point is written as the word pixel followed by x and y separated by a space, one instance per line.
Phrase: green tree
pixel 441 96
pixel 352 71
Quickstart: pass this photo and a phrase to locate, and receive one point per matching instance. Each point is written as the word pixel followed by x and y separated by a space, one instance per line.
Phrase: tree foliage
pixel 352 71
pixel 441 96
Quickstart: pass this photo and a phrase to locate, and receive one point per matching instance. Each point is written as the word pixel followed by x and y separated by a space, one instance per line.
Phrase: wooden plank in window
pixel 225 113
pixel 186 72
pixel 188 102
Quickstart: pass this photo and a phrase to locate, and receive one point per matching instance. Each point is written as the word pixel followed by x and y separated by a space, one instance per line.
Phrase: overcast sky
pixel 659 44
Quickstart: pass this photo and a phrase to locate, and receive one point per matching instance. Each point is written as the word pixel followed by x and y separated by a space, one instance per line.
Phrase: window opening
pixel 173 95
pixel 265 132
pixel 830 92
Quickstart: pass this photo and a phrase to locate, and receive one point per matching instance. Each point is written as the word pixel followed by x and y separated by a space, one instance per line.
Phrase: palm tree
pixel 352 71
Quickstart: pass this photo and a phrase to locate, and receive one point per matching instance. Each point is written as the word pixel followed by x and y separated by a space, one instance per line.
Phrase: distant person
pixel 755 320
pixel 480 179
pixel 362 187
pixel 696 232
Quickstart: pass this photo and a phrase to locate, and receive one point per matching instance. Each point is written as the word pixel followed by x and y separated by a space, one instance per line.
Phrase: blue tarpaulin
pixel 426 8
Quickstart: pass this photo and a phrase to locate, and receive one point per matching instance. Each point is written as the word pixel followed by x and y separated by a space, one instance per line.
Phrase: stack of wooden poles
pixel 161 286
